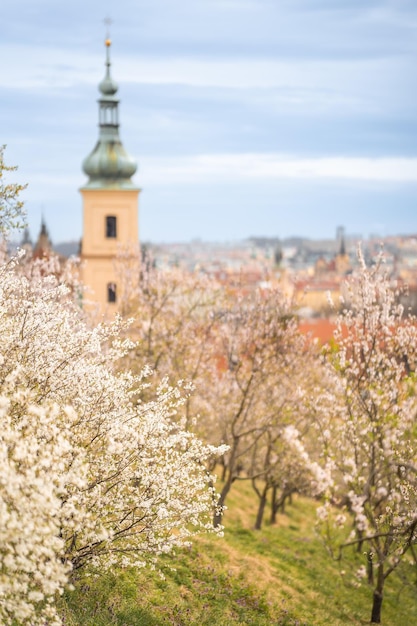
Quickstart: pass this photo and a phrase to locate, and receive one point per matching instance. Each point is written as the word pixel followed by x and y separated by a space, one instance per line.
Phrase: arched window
pixel 111 226
pixel 111 292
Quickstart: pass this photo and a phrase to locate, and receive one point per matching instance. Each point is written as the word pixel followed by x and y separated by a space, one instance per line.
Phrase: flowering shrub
pixel 30 505
pixel 89 477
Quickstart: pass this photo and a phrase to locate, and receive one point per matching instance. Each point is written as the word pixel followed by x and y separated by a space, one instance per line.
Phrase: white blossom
pixel 89 477
pixel 370 412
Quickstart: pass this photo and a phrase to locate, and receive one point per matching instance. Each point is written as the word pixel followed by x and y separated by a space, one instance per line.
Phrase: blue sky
pixel 247 117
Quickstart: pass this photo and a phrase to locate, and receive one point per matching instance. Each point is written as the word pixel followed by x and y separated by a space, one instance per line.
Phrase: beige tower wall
pixel 99 252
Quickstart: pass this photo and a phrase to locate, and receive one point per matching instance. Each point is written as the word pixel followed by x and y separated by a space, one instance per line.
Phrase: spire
pixel 108 86
pixel 342 251
pixel 341 237
pixel 26 239
pixel 43 246
pixel 109 165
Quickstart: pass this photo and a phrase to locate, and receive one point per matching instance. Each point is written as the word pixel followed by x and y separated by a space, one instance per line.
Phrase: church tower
pixel 110 201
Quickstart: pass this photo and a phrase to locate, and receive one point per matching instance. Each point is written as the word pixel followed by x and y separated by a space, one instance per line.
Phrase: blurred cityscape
pixel 308 270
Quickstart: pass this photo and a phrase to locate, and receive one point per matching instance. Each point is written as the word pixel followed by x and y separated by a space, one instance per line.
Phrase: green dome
pixel 109 163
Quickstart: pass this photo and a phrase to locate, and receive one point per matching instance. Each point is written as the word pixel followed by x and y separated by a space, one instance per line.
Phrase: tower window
pixel 111 226
pixel 111 292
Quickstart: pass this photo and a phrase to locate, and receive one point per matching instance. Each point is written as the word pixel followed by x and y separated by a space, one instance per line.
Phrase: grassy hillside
pixel 280 576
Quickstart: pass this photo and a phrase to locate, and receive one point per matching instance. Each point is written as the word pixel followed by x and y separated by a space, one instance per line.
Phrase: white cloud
pixel 302 85
pixel 41 67
pixel 241 167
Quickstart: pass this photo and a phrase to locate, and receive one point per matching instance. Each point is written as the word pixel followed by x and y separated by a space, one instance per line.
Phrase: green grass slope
pixel 279 576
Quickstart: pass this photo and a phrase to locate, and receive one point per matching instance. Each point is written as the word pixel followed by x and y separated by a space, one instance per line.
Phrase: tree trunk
pixel 378 595
pixel 360 542
pixel 224 470
pixel 261 508
pixel 376 608
pixel 229 477
pixel 370 568
pixel 278 504
pixel 218 515
pixel 274 507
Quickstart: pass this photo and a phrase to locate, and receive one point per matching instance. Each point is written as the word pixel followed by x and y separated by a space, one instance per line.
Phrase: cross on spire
pixel 108 22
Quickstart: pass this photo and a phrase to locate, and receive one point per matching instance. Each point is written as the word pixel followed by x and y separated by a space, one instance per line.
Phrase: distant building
pixel 320 293
pixel 110 201
pixel 26 242
pixel 337 266
pixel 43 246
pixel 52 262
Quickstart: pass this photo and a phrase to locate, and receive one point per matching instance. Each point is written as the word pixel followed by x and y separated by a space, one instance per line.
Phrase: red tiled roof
pixel 320 328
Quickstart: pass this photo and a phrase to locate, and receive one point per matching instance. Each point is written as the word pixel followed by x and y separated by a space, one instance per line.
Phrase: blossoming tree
pixel 252 388
pixel 242 352
pixel 11 206
pixel 174 314
pixel 369 430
